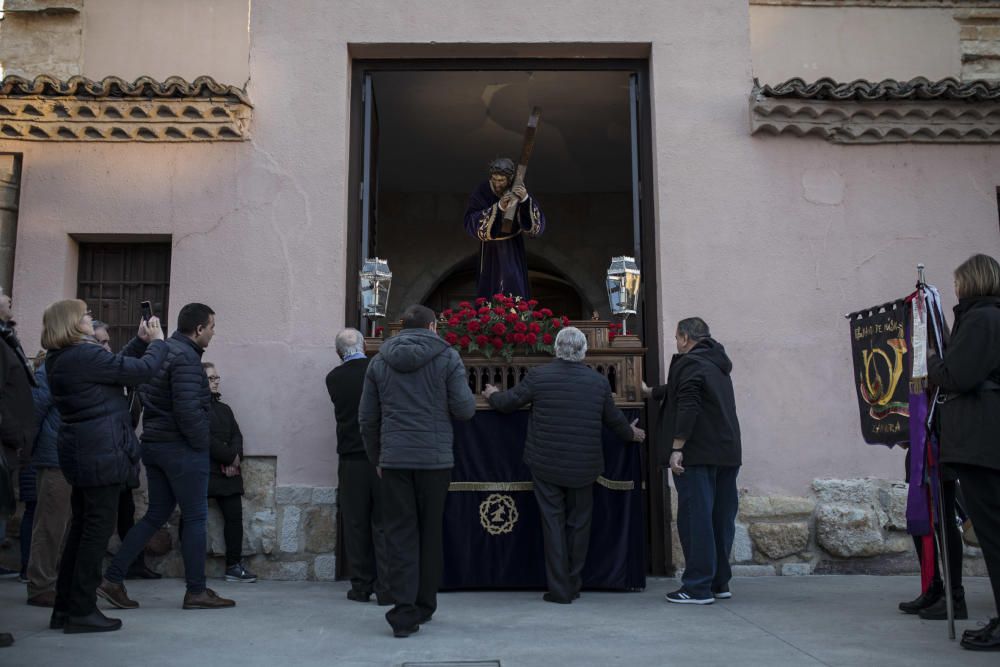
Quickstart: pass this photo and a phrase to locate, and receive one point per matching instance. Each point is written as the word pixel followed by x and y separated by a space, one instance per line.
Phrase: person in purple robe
pixel 503 264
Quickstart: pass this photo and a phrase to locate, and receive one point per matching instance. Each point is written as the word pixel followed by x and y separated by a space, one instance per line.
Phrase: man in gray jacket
pixel 414 387
pixel 570 405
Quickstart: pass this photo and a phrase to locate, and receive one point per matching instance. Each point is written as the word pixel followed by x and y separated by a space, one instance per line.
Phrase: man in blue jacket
pixel 414 387
pixel 175 451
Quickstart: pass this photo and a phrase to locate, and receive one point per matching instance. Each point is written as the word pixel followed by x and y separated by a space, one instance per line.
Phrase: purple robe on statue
pixel 503 264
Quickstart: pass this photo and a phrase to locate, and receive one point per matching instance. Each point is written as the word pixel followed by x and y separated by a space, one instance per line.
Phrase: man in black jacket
pixel 570 405
pixel 414 387
pixel 358 483
pixel 698 419
pixel 175 451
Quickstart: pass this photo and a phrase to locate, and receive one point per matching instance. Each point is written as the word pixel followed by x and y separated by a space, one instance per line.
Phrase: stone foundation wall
pixel 289 532
pixel 847 526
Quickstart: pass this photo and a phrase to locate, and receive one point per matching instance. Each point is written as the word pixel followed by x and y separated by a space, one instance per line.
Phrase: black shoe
pixel 986 639
pixel 240 574
pixel 384 600
pixel 983 631
pixel 939 610
pixel 140 570
pixel 405 632
pixel 6 639
pixel 926 599
pixel 93 622
pixel 58 620
pixel 681 596
pixel 358 596
pixel 549 597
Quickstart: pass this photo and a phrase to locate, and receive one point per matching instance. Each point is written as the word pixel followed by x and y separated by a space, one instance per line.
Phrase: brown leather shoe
pixel 116 595
pixel 207 599
pixel 46 599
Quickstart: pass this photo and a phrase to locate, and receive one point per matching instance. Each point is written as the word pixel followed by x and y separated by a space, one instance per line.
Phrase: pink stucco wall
pixel 771 240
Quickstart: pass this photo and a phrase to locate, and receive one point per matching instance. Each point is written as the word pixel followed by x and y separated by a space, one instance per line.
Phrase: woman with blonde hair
pixel 97 446
pixel 969 377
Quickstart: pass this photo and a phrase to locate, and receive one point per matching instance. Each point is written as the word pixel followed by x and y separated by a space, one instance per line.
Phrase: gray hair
pixel 348 342
pixel 694 328
pixel 571 344
pixel 98 324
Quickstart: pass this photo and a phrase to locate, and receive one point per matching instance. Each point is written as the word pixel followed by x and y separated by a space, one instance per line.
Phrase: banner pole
pixel 941 533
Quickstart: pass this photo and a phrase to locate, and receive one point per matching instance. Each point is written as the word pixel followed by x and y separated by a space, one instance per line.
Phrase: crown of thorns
pixel 502 165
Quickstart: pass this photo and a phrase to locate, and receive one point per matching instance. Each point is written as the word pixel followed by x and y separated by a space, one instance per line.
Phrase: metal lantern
pixel 623 287
pixel 375 280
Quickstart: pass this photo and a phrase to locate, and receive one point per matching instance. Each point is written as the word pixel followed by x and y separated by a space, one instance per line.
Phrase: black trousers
pixel 953 535
pixel 566 514
pixel 413 517
pixel 364 539
pixel 90 528
pixel 981 492
pixel 232 527
pixel 126 512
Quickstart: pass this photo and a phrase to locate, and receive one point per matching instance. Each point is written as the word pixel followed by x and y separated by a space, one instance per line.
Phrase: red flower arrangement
pixel 501 326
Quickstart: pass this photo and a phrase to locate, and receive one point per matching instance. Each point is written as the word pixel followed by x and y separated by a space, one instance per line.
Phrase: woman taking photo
pixel 969 378
pixel 98 450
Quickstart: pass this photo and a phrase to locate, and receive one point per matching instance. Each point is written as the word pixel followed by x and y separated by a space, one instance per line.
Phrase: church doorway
pixel 423 133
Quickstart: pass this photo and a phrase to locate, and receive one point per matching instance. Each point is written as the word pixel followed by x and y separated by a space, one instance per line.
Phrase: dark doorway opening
pixel 422 135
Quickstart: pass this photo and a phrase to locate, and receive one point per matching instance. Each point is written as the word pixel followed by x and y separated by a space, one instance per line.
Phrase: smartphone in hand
pixel 147 310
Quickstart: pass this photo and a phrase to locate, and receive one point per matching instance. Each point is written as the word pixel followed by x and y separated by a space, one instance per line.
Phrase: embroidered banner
pixel 882 370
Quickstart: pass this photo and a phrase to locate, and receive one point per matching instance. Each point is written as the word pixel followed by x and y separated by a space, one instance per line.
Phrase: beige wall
pixel 853 43
pixel 771 240
pixel 186 38
pixel 129 39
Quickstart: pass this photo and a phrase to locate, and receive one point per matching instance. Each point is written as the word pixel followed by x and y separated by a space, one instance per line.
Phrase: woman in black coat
pixel 98 450
pixel 969 378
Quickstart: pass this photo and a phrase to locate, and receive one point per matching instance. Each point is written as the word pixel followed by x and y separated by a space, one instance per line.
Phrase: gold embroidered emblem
pixel 498 514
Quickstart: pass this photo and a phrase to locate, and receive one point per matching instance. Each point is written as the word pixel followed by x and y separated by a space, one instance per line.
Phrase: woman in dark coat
pixel 969 377
pixel 225 483
pixel 98 450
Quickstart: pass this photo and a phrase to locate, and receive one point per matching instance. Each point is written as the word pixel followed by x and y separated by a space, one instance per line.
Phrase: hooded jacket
pixel 570 405
pixel 414 387
pixel 969 374
pixel 699 406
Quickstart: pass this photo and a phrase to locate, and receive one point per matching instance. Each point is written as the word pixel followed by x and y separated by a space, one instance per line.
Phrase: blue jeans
pixel 707 502
pixel 177 475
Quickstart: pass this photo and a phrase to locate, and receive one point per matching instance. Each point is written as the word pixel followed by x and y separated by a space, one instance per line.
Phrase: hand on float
pixel 676 461
pixel 489 391
pixel 638 435
pixel 647 391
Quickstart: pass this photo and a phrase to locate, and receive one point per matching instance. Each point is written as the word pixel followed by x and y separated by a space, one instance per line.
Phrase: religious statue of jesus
pixel 503 264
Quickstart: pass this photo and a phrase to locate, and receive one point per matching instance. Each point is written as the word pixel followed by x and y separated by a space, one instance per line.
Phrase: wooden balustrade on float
pixel 619 360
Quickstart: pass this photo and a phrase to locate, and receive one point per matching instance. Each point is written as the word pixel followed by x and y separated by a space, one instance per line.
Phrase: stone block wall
pixel 846 526
pixel 979 33
pixel 289 532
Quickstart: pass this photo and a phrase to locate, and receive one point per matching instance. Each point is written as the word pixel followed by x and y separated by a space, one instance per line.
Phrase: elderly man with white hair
pixel 364 543
pixel 570 404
